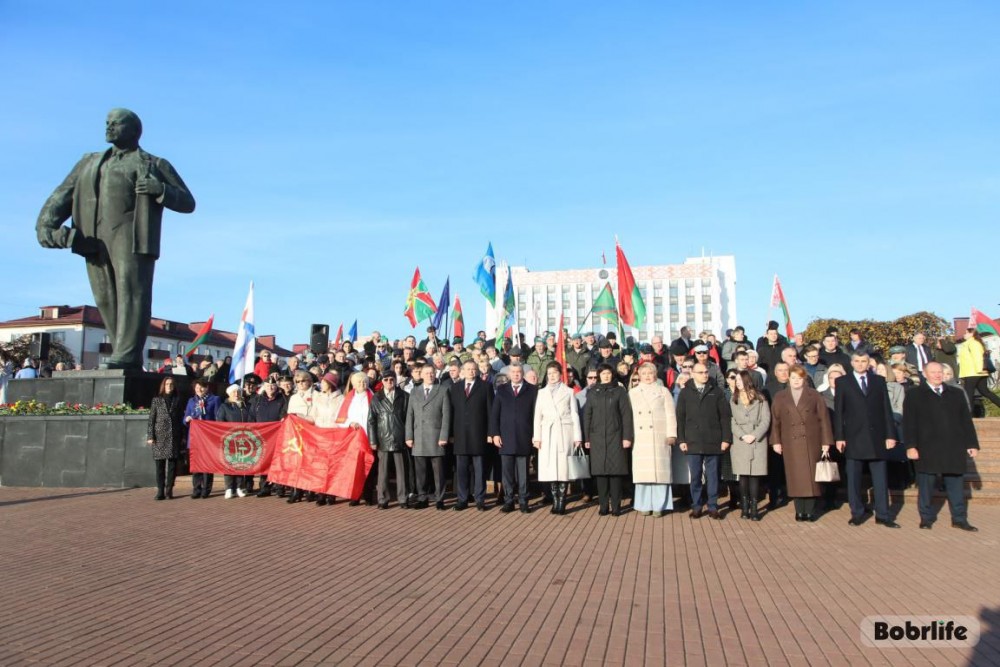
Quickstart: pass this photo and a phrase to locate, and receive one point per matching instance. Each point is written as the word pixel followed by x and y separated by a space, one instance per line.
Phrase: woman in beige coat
pixel 556 433
pixel 751 420
pixel 655 423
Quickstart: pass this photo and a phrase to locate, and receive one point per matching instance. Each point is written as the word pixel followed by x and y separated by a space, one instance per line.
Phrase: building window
pixel 689 283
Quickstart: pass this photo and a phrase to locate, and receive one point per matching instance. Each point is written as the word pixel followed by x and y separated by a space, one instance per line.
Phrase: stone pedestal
pixel 90 388
pixel 75 451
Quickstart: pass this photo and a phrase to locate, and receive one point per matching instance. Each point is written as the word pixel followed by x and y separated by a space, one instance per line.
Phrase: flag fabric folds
pixel 352 335
pixel 292 452
pixel 338 340
pixel 983 323
pixel 457 323
pixel 631 309
pixel 419 303
pixel 200 337
pixel 232 448
pixel 508 314
pixel 561 351
pixel 486 276
pixel 604 307
pixel 335 461
pixel 246 344
pixel 778 300
pixel 442 311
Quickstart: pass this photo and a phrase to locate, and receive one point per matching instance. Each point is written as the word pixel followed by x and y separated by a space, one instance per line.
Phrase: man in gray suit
pixel 116 200
pixel 428 423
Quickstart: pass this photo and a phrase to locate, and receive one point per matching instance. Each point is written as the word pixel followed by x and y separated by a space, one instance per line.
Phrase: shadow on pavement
pixel 5 503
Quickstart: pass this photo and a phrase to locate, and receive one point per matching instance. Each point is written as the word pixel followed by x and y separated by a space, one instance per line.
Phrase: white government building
pixel 700 294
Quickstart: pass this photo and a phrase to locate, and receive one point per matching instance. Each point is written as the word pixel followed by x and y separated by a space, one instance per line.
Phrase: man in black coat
pixel 769 349
pixel 831 352
pixel 704 432
pixel 863 428
pixel 512 422
pixel 471 408
pixel 940 437
pixel 387 435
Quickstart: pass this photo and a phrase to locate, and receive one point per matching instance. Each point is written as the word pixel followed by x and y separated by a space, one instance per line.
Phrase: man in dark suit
pixel 918 354
pixel 471 406
pixel 512 422
pixel 116 200
pixel 862 427
pixel 428 423
pixel 940 437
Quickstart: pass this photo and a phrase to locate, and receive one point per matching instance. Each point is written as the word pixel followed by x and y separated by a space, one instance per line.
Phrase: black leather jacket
pixel 387 422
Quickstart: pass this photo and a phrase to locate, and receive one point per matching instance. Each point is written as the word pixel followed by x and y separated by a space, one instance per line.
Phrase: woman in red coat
pixel 801 434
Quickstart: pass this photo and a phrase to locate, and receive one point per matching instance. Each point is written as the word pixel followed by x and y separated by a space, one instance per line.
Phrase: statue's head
pixel 123 128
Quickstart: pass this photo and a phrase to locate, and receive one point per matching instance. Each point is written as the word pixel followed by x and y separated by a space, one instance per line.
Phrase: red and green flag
pixel 457 323
pixel 561 351
pixel 420 304
pixel 201 336
pixel 778 300
pixel 604 306
pixel 631 309
pixel 983 323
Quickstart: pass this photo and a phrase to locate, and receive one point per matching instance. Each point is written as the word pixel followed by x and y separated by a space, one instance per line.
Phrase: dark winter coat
pixel 233 412
pixel 470 417
pixel 863 421
pixel 704 420
pixel 513 419
pixel 769 356
pixel 166 426
pixel 387 421
pixel 264 410
pixel 939 428
pixel 607 421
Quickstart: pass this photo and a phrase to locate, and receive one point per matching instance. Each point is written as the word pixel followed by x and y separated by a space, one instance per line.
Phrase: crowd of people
pixel 693 421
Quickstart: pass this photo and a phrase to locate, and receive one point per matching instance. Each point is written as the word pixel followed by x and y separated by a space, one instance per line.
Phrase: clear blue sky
pixel 854 149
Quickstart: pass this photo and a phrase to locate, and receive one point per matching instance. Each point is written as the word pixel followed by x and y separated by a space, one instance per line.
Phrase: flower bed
pixel 33 408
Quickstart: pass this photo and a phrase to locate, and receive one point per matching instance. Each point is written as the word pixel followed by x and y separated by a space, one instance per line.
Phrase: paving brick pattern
pixel 110 577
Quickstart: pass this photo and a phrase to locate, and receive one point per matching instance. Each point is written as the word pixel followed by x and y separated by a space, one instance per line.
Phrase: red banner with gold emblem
pixel 232 448
pixel 335 461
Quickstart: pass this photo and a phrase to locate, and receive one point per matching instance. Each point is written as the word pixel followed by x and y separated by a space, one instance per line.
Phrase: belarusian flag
pixel 200 336
pixel 983 323
pixel 631 308
pixel 457 323
pixel 778 299
pixel 419 302
pixel 338 340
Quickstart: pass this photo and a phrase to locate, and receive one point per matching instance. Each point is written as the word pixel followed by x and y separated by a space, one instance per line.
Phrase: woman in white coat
pixel 556 433
pixel 655 422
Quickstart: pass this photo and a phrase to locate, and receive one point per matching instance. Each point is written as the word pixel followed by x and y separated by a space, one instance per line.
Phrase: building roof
pixel 55 316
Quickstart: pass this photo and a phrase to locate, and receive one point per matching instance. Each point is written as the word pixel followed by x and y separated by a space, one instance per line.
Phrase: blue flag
pixel 486 276
pixel 442 311
pixel 352 335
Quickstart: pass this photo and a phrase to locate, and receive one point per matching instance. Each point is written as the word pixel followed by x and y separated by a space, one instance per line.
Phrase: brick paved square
pixel 110 577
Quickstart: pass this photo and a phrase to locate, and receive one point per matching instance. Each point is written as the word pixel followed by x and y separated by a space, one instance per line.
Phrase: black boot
pixel 745 506
pixel 295 497
pixel 160 479
pixel 555 499
pixel 563 490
